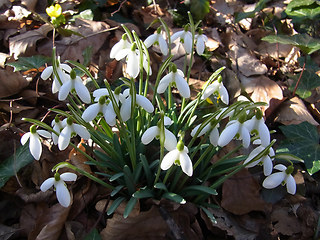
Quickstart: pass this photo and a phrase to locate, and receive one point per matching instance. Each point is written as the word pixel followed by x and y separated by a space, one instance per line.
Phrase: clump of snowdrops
pixel 148 143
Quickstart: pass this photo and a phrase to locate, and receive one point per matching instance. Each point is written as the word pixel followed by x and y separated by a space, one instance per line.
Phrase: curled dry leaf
pixel 285 223
pixel 11 83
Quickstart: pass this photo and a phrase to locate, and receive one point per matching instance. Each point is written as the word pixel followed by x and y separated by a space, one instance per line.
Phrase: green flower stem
pixel 164 24
pixel 168 173
pixel 162 139
pixel 170 100
pixel 88 175
pixel 129 35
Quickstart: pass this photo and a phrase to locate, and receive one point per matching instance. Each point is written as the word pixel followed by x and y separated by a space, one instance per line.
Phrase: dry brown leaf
pixel 240 194
pixel 11 83
pixel 30 4
pixel 25 43
pixel 262 89
pixel 285 223
pixel 15 108
pixel 77 159
pixel 294 111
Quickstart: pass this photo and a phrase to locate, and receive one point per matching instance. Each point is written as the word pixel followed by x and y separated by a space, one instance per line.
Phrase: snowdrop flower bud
pixel 35 146
pixel 125 110
pixel 170 141
pixel 157 39
pixel 217 88
pixel 58 181
pixel 200 45
pixel 185 38
pixel 214 133
pixel 257 126
pixel 266 160
pixel 74 83
pixel 57 125
pixel 116 51
pixel 71 129
pixel 175 76
pixel 235 128
pixel 178 156
pixel 284 177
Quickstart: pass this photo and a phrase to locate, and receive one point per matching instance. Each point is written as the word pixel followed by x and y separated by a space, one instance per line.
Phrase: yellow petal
pixel 54 11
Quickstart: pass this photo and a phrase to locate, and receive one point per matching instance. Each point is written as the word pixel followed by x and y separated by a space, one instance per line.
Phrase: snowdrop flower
pixel 201 39
pixel 102 106
pixel 217 88
pixel 176 76
pixel 185 38
pixel 266 160
pixel 214 133
pixel 178 156
pixel 170 141
pixel 74 83
pixel 62 70
pixel 58 181
pixel 116 51
pixel 70 130
pixel 35 146
pixel 284 177
pixel 57 125
pixel 257 126
pixel 235 128
pixel 126 98
pixel 157 39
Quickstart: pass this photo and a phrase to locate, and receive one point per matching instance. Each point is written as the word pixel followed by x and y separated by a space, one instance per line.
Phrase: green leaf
pixel 174 197
pixel 199 8
pixel 13 164
pixel 130 205
pixel 209 214
pixel 198 189
pixel 146 168
pixel 87 55
pixel 308 81
pixel 242 15
pixel 128 177
pixel 27 63
pixel 306 43
pixel 161 186
pixel 93 235
pixel 303 9
pixel 303 141
pixel 143 193
pixel 116 190
pixel 115 205
pixel 116 176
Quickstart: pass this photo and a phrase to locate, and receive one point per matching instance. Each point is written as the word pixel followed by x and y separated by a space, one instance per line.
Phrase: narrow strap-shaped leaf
pixel 198 188
pixel 115 205
pixel 161 186
pixel 128 177
pixel 174 197
pixel 143 193
pixel 130 205
pixel 146 169
pixel 116 176
pixel 137 172
pixel 116 190
pixel 209 214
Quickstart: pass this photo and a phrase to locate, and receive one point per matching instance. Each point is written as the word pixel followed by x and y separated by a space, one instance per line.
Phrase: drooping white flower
pixel 178 156
pixel 126 98
pixel 62 70
pixel 266 159
pixel 185 38
pixel 218 89
pixel 102 106
pixel 58 182
pixel 201 40
pixel 283 177
pixel 35 146
pixel 214 133
pixel 170 141
pixel 57 125
pixel 175 76
pixel 118 47
pixel 74 83
pixel 234 129
pixel 70 130
pixel 257 126
pixel 157 39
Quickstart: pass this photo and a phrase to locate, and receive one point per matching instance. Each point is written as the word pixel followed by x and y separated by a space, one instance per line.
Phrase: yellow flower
pixel 54 11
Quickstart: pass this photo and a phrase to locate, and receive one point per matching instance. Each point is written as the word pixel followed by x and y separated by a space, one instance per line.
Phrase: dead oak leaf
pixel 26 43
pixel 11 83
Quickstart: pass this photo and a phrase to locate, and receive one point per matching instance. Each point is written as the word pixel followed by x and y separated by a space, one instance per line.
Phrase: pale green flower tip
pixel 73 74
pixel 33 129
pixel 57 177
pixel 180 146
pixel 289 169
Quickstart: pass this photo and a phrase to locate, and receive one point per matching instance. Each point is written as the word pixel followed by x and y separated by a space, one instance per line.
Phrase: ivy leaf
pixel 306 43
pixel 303 9
pixel 309 81
pixel 13 164
pixel 27 63
pixel 303 141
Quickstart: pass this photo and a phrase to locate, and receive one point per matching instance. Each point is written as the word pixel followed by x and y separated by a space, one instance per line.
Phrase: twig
pixel 121 4
pixel 297 84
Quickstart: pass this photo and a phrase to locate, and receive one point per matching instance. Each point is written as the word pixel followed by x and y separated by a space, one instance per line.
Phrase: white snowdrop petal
pixel 164 82
pixel 271 152
pixel 167 121
pixel 274 180
pixel 122 54
pixel 144 103
pixel 176 35
pixel 46 73
pixel 63 76
pixel 150 134
pixel 55 138
pixel 170 141
pixel 214 136
pixel 267 165
pixel 252 155
pixel 133 64
pixel 245 135
pixel 109 114
pixel 188 42
pixel 186 163
pixel 63 194
pixel 291 185
pixel 35 146
pixel 68 176
pixel 194 131
pixel 209 90
pixel 116 48
pixel 250 124
pixel 200 46
pixel 64 138
pixel 91 112
pixel 150 40
pixel 146 65
pixel 264 133
pixel 169 159
pixel 100 92
pixel 163 45
pixel 25 138
pixel 81 131
pixel 65 67
pixel 82 91
pixel 55 85
pixel 64 90
pixel 280 167
pixel 47 184
pixel 125 110
pixel 182 86
pixel 224 94
pixel 228 134
pixel 44 133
